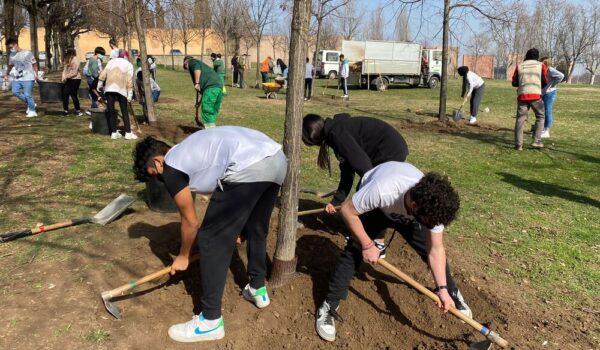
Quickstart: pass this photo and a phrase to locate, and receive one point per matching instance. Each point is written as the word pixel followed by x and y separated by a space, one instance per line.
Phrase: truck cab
pixel 328 63
pixel 432 72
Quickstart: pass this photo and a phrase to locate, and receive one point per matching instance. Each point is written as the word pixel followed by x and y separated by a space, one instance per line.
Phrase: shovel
pixel 458 114
pixel 317 193
pixel 198 122
pixel 103 217
pixel 314 211
pixel 108 295
pixel 492 336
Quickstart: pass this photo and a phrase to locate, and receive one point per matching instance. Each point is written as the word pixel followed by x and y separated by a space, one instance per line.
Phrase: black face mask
pixel 158 176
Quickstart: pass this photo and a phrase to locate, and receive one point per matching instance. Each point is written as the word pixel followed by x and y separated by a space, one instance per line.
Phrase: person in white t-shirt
pixel 309 70
pixel 395 195
pixel 244 170
pixel 23 70
pixel 473 86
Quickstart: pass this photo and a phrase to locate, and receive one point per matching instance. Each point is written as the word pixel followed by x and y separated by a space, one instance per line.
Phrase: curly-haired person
pixel 395 195
pixel 244 170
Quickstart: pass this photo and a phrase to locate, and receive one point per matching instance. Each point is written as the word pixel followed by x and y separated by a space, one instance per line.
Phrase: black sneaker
pixel 382 248
pixel 460 303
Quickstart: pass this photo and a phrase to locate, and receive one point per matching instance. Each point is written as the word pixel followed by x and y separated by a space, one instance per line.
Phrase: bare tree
pixel 284 262
pixel 141 31
pixel 260 15
pixel 202 20
pixel 402 28
pixel 171 36
pixel 183 13
pixel 480 44
pixel 374 28
pixel 349 20
pixel 224 17
pixel 591 58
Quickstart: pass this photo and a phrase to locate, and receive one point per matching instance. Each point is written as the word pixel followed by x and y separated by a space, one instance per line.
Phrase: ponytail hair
pixel 313 134
pixel 462 71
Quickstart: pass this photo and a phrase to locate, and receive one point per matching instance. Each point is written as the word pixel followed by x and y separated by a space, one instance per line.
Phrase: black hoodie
pixel 360 144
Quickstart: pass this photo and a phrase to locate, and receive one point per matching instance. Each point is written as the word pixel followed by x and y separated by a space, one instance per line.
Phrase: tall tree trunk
pixel 444 81
pixel 47 45
pixel 33 14
pixel 284 262
pixel 570 66
pixel 592 78
pixel 139 24
pixel 258 74
pixel 317 44
pixel 9 21
pixel 56 43
pixel 202 45
pixel 185 44
pixel 127 10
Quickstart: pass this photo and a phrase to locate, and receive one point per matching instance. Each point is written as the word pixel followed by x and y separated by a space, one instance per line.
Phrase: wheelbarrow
pixel 271 89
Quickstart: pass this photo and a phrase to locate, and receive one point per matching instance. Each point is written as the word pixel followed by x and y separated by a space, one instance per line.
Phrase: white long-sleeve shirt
pixel 474 81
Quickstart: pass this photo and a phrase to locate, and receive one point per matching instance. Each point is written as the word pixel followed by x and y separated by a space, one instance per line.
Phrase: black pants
pixel 70 90
pixel 238 208
pixel 111 113
pixel 235 76
pixel 375 224
pixel 476 97
pixel 307 87
pixel 344 85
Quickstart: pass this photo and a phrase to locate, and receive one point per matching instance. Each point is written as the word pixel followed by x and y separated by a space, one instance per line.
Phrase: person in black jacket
pixel 359 143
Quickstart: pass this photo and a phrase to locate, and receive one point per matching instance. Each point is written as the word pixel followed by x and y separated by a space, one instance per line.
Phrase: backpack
pixel 86 71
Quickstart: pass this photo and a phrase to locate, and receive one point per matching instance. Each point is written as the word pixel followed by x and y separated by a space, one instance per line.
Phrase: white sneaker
pixel 130 136
pixel 260 297
pixel 91 126
pixel 88 112
pixel 116 135
pixel 325 321
pixel 28 110
pixel 31 114
pixel 198 329
pixel 344 96
pixel 546 134
pixel 472 120
pixel 78 113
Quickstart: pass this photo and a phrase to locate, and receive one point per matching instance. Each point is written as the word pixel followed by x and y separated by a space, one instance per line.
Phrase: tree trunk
pixel 47 45
pixel 317 44
pixel 33 29
pixel 592 78
pixel 570 66
pixel 9 21
pixel 444 80
pixel 127 9
pixel 56 43
pixel 202 45
pixel 284 262
pixel 258 74
pixel 145 69
pixel 185 44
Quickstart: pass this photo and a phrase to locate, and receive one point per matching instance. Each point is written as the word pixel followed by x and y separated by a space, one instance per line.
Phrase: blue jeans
pixel 549 99
pixel 155 95
pixel 25 95
pixel 92 86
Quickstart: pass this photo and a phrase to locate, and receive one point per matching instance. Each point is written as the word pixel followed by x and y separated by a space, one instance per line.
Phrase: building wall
pixel 482 65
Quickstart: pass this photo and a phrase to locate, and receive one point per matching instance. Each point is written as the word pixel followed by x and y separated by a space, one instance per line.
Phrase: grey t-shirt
pixel 270 169
pixel 22 63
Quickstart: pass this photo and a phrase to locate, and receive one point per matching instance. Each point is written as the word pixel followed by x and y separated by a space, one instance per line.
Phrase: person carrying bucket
pixel 208 83
pixel 244 170
pixel 472 86
pixel 23 70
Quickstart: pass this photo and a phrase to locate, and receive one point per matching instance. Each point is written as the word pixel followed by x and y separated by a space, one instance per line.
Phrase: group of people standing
pixel 243 169
pixel 536 82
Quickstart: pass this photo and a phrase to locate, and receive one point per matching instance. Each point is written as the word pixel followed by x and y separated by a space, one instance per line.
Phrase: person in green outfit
pixel 207 82
pixel 219 67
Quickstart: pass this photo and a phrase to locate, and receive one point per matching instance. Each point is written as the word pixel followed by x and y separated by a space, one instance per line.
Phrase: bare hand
pixel 330 209
pixel 445 300
pixel 197 87
pixel 181 263
pixel 371 255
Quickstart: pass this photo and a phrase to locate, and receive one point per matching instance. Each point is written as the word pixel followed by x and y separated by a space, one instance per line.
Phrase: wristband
pixel 437 289
pixel 369 246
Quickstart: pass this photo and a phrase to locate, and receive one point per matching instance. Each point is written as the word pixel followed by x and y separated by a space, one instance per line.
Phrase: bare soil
pixel 50 299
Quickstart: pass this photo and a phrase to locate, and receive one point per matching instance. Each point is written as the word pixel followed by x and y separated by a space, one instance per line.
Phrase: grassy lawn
pixel 527 218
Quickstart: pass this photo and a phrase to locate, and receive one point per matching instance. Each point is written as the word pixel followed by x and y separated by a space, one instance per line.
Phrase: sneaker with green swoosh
pixel 198 329
pixel 260 298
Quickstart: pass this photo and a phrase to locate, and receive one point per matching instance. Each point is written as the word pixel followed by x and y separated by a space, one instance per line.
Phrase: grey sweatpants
pixel 476 97
pixel 522 111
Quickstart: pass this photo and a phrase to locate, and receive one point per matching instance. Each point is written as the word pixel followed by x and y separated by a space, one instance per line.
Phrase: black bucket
pixel 50 91
pixel 83 92
pixel 158 198
pixel 99 122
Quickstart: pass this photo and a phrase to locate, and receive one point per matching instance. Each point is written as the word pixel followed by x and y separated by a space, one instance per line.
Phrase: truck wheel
pixel 332 75
pixel 380 83
pixel 433 82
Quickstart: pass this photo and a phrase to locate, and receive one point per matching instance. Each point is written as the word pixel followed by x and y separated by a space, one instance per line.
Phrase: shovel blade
pixel 112 309
pixel 457 115
pixel 481 345
pixel 113 209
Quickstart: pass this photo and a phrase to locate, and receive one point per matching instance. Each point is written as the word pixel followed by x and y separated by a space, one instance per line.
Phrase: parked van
pixel 328 63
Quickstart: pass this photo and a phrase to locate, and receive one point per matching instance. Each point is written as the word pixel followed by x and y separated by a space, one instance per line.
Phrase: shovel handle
pixel 493 336
pixel 314 211
pixel 34 231
pixel 133 284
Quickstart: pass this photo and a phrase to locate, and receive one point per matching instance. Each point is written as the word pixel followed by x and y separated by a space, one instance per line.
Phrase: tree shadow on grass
pixel 548 190
pixel 164 242
pixel 317 257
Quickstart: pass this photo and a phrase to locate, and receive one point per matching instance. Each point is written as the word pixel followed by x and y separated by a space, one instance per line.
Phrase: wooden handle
pixel 431 295
pixel 315 211
pixel 133 284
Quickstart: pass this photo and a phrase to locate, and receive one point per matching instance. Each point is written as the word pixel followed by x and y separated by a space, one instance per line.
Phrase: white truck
pixel 377 64
pixel 328 64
